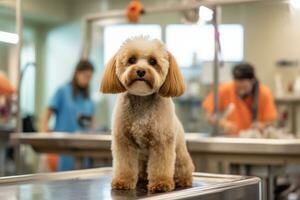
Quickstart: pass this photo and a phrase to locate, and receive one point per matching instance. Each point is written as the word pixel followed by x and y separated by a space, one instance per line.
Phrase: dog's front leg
pixel 161 166
pixel 125 164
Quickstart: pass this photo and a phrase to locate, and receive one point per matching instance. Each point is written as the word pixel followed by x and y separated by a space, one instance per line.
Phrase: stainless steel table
pixel 95 184
pixel 4 138
pixel 269 154
pixel 227 150
pixel 241 150
pixel 78 142
pixel 246 150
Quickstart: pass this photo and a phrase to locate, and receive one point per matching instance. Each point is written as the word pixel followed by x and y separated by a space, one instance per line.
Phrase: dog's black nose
pixel 141 73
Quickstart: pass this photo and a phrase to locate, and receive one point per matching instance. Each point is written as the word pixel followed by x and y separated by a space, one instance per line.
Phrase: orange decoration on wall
pixel 134 9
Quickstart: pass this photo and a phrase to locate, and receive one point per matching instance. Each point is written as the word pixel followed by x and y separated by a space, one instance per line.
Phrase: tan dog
pixel 148 139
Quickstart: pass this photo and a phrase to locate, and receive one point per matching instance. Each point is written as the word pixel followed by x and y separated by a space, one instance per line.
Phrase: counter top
pixel 288 99
pixel 195 142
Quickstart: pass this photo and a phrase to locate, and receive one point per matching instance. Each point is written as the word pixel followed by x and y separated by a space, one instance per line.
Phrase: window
pixel 28 79
pixel 193 43
pixel 115 35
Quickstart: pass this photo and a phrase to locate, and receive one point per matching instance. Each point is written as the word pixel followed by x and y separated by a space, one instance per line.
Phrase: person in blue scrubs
pixel 72 107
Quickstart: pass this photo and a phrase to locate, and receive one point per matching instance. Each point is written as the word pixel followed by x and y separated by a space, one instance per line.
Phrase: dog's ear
pixel 110 82
pixel 174 84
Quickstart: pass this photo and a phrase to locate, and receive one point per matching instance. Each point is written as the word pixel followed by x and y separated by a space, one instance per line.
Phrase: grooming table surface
pixel 95 184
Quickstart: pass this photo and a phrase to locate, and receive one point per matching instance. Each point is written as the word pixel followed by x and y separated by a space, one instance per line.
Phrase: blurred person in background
pixel 7 90
pixel 73 109
pixel 251 103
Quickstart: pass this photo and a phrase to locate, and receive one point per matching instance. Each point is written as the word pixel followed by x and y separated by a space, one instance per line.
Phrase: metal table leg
pixel 294 118
pixel 79 162
pixel 17 157
pixel 270 183
pixel 2 157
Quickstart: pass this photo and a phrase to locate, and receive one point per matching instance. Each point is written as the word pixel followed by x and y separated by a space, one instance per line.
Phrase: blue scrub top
pixel 67 110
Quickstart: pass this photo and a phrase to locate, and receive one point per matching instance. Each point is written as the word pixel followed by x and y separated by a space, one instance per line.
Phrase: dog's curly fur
pixel 148 139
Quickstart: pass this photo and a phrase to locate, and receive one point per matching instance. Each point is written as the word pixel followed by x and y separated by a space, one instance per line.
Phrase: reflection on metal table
pixel 95 184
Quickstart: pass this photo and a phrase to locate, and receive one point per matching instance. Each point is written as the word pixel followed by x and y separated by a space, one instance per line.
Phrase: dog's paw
pixel 122 184
pixel 161 185
pixel 184 181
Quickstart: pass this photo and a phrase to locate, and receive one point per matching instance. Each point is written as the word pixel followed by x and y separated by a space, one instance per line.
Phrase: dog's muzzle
pixel 140 79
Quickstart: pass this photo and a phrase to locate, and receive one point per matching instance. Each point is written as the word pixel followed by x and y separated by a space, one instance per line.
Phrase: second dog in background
pixel 148 139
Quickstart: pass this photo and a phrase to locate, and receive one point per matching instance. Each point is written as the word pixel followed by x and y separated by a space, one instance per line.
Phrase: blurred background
pixel 263 33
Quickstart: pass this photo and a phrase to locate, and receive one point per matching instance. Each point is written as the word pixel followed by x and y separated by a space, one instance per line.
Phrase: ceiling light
pixel 295 3
pixel 7 37
pixel 205 13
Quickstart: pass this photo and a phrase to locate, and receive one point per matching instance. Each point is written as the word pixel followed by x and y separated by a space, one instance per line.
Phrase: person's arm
pixel 53 107
pixel 269 115
pixel 93 123
pixel 208 106
pixel 45 120
pixel 226 125
pixel 262 125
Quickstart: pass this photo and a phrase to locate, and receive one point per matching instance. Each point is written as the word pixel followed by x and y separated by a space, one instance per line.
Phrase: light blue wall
pixel 62 54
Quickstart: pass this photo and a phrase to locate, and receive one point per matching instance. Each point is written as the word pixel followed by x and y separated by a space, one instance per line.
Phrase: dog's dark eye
pixel 152 61
pixel 132 60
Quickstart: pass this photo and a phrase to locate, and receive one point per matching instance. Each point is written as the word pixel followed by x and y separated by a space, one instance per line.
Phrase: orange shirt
pixel 242 114
pixel 5 87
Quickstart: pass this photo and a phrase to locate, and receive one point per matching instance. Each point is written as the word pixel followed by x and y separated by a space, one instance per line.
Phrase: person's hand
pixel 45 129
pixel 228 126
pixel 45 120
pixel 258 125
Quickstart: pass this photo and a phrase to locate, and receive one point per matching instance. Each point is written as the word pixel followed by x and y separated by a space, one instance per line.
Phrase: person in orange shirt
pixel 251 103
pixel 6 88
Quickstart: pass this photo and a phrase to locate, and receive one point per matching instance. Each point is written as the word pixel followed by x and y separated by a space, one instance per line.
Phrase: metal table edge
pixel 50 176
pixel 194 192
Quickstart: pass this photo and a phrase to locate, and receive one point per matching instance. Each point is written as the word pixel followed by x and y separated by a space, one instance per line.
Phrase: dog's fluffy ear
pixel 174 84
pixel 110 82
